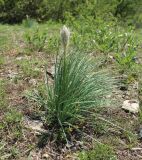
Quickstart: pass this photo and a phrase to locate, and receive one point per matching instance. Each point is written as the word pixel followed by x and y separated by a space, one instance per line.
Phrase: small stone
pixel 11 74
pixel 111 58
pixel 33 82
pixel 119 96
pixel 19 58
pixel 140 133
pixel 136 85
pixel 45 156
pixel 35 125
pixel 53 70
pixel 108 96
pixel 131 106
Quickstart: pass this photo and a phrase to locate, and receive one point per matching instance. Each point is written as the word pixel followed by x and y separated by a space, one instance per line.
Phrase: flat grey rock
pixel 131 106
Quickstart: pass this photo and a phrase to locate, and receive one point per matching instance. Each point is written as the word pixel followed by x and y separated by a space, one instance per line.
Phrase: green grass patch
pixel 30 67
pixel 11 123
pixel 2 60
pixel 3 101
pixel 100 152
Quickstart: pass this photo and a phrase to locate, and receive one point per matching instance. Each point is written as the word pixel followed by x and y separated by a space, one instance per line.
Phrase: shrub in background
pixel 126 52
pixel 35 39
pixel 98 36
pixel 91 34
pixel 15 11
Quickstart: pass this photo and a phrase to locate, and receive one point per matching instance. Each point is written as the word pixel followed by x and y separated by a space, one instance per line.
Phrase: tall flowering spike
pixel 65 35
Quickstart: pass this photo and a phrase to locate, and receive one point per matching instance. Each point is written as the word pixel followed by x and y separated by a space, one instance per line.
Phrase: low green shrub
pixel 109 38
pixel 35 39
pixel 127 52
pixel 96 35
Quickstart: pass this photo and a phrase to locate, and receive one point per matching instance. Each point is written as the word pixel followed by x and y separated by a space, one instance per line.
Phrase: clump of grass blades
pixel 76 90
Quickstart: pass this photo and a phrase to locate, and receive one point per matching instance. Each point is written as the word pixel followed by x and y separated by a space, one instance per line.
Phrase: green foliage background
pixel 13 11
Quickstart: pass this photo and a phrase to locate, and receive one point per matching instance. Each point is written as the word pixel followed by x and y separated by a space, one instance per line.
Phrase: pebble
pixel 131 106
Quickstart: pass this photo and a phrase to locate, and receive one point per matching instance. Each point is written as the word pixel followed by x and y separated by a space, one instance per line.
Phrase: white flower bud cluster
pixel 65 35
